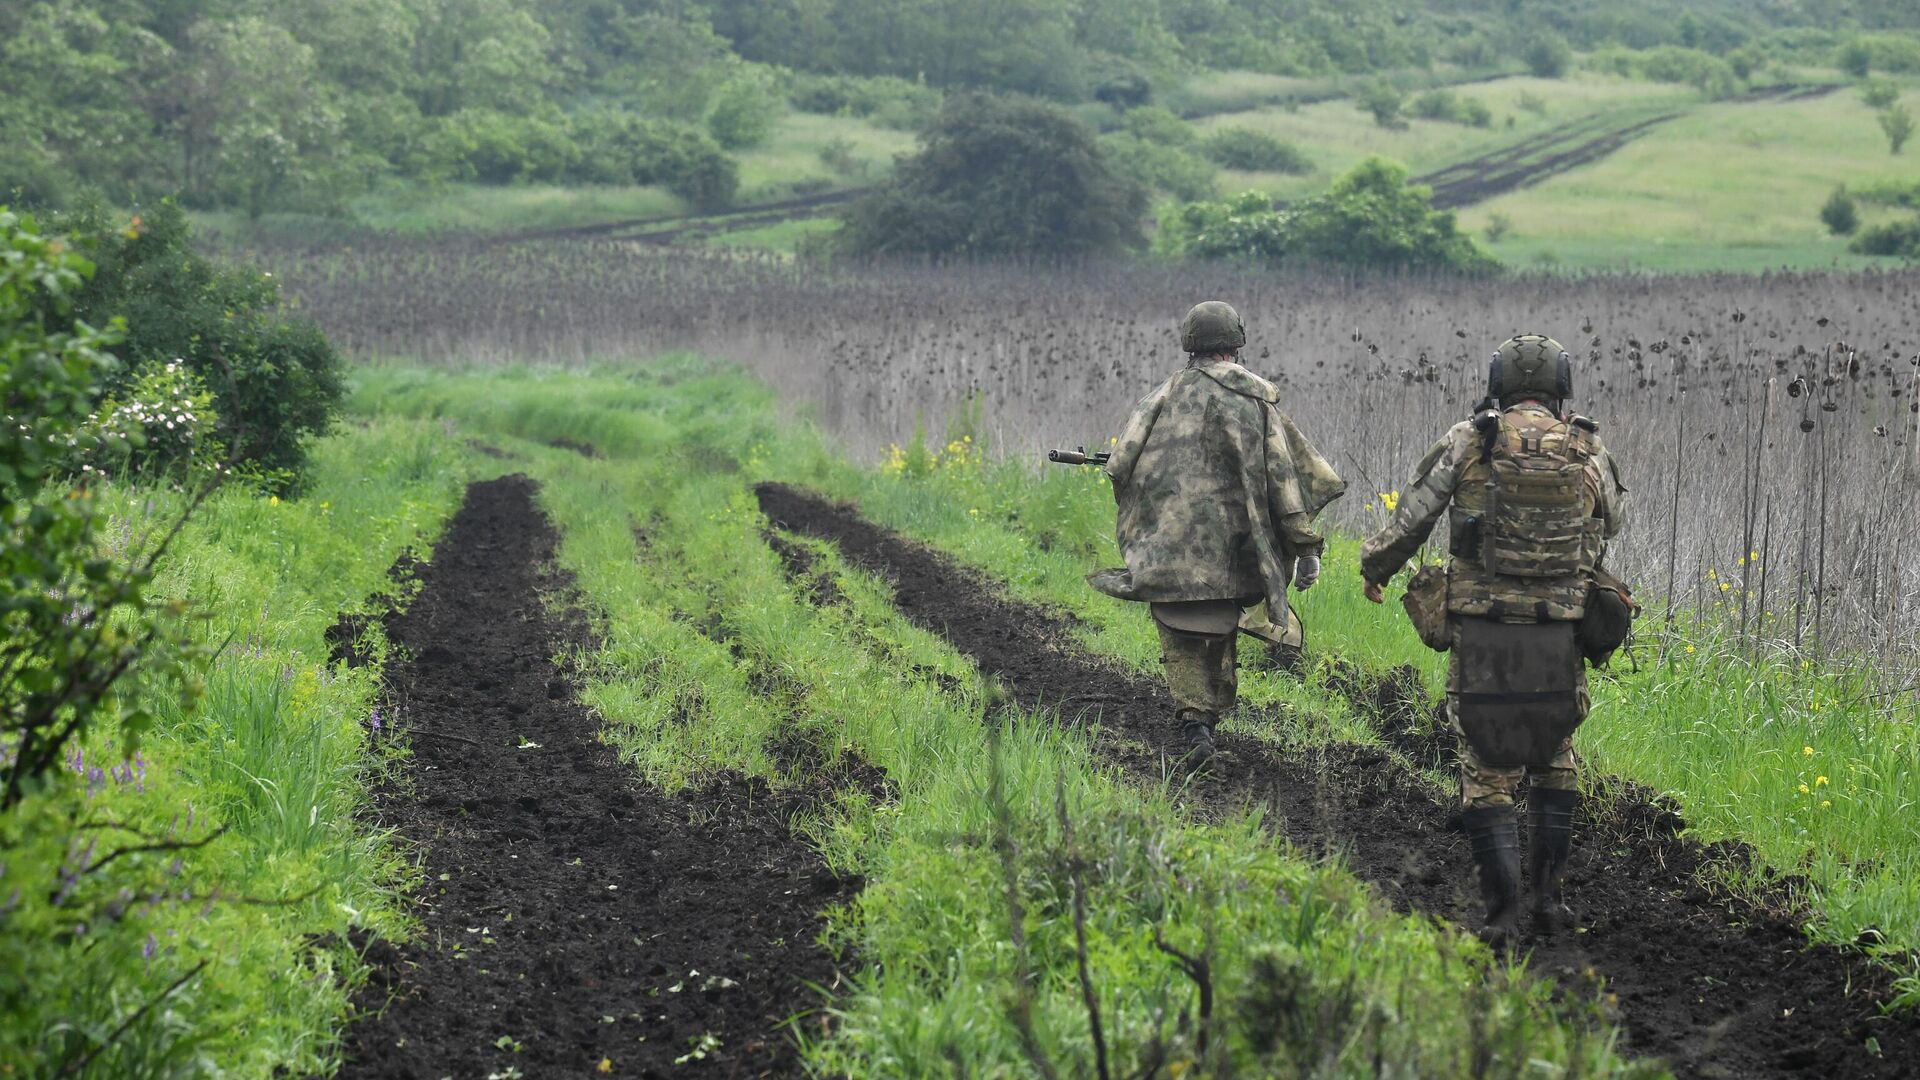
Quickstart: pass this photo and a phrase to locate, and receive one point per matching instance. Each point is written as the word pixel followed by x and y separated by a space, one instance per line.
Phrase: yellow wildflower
pixel 1689 650
pixel 1390 500
pixel 1806 751
pixel 1826 804
pixel 274 500
pixel 1805 790
pixel 1819 781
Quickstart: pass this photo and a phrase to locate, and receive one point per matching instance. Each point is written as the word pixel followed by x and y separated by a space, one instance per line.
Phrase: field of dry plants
pixel 1766 425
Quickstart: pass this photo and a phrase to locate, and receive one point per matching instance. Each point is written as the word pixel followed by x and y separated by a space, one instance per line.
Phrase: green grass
pixel 711 657
pixel 1337 134
pixel 277 756
pixel 789 163
pixel 466 209
pixel 1727 186
pixel 785 237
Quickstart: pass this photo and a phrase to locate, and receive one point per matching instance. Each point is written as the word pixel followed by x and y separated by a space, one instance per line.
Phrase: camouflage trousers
pixel 1484 786
pixel 1201 672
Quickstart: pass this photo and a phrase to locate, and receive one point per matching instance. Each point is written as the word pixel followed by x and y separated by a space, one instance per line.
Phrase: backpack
pixel 1538 521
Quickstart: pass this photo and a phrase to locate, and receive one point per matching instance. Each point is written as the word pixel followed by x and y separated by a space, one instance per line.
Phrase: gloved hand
pixel 1305 572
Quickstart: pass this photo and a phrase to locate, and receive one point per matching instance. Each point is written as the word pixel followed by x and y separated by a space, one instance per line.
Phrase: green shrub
pixel 1897 122
pixel 885 99
pixel 1255 151
pixel 62 670
pixel 1000 176
pixel 1899 238
pixel 1839 213
pixel 499 148
pixel 1159 125
pixel 1369 218
pixel 275 380
pixel 1384 102
pixel 625 149
pixel 1879 93
pixel 745 109
pixel 1548 56
pixel 1443 104
pixel 1158 167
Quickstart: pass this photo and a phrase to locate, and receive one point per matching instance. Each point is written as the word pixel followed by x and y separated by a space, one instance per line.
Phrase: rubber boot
pixel 1549 842
pixel 1196 729
pixel 1496 851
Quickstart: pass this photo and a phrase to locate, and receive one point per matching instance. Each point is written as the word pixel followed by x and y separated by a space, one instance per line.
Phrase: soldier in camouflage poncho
pixel 1216 490
pixel 1533 496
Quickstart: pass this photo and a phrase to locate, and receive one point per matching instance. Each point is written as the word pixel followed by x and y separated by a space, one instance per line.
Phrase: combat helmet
pixel 1529 365
pixel 1212 327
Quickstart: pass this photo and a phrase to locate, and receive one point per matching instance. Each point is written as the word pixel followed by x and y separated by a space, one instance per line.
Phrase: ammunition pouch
pixel 1519 696
pixel 1426 604
pixel 1608 620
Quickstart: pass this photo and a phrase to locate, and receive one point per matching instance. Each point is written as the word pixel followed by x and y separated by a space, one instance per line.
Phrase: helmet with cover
pixel 1531 365
pixel 1212 327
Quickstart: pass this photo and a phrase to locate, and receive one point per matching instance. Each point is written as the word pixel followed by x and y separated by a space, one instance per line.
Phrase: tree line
pixel 300 104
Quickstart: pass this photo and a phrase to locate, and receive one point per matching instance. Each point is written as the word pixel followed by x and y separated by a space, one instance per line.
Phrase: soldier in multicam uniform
pixel 1533 498
pixel 1216 492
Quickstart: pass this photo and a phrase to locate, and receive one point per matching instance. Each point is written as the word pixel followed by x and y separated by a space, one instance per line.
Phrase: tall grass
pixel 227 956
pixel 1692 379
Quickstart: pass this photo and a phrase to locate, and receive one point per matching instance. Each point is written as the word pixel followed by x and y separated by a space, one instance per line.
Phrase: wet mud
pixel 567 914
pixel 1717 986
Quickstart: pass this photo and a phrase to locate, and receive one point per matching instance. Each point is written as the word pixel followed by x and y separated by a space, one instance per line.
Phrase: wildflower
pixel 273 500
pixel 973 511
pixel 1805 790
pixel 1819 781
pixel 1390 500
pixel 1806 751
pixel 1689 650
pixel 1724 586
pixel 1826 804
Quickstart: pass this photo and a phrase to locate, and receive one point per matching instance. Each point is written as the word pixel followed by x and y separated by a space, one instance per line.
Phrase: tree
pixel 1897 122
pixel 1839 213
pixel 1000 176
pixel 1548 56
pixel 254 119
pixel 745 108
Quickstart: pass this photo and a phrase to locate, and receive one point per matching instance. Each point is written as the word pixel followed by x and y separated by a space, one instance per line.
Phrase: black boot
pixel 1496 851
pixel 1549 841
pixel 1196 729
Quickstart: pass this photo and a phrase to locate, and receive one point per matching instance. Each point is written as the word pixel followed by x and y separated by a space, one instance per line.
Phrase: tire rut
pixel 1714 986
pixel 567 913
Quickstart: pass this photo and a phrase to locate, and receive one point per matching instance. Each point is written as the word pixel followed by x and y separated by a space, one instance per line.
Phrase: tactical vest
pixel 1523 536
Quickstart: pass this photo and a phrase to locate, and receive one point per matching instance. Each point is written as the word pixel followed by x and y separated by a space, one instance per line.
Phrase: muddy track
pixel 659 230
pixel 1715 986
pixel 568 914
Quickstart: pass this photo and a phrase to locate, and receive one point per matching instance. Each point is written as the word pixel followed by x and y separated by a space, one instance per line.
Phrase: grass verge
pixel 230 955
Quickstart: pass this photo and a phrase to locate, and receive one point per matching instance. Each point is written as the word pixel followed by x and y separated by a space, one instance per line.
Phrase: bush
pixel 498 148
pixel 626 149
pixel 1443 104
pixel 1159 125
pixel 1897 122
pixel 1879 93
pixel 1854 58
pixel 1126 90
pixel 885 99
pixel 745 109
pixel 1369 218
pixel 1255 151
pixel 1839 213
pixel 1900 238
pixel 1548 56
pixel 1158 167
pixel 275 381
pixel 1000 176
pixel 1384 103
pixel 73 624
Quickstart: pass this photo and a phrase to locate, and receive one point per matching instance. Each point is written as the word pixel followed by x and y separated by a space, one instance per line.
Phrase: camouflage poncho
pixel 1216 489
